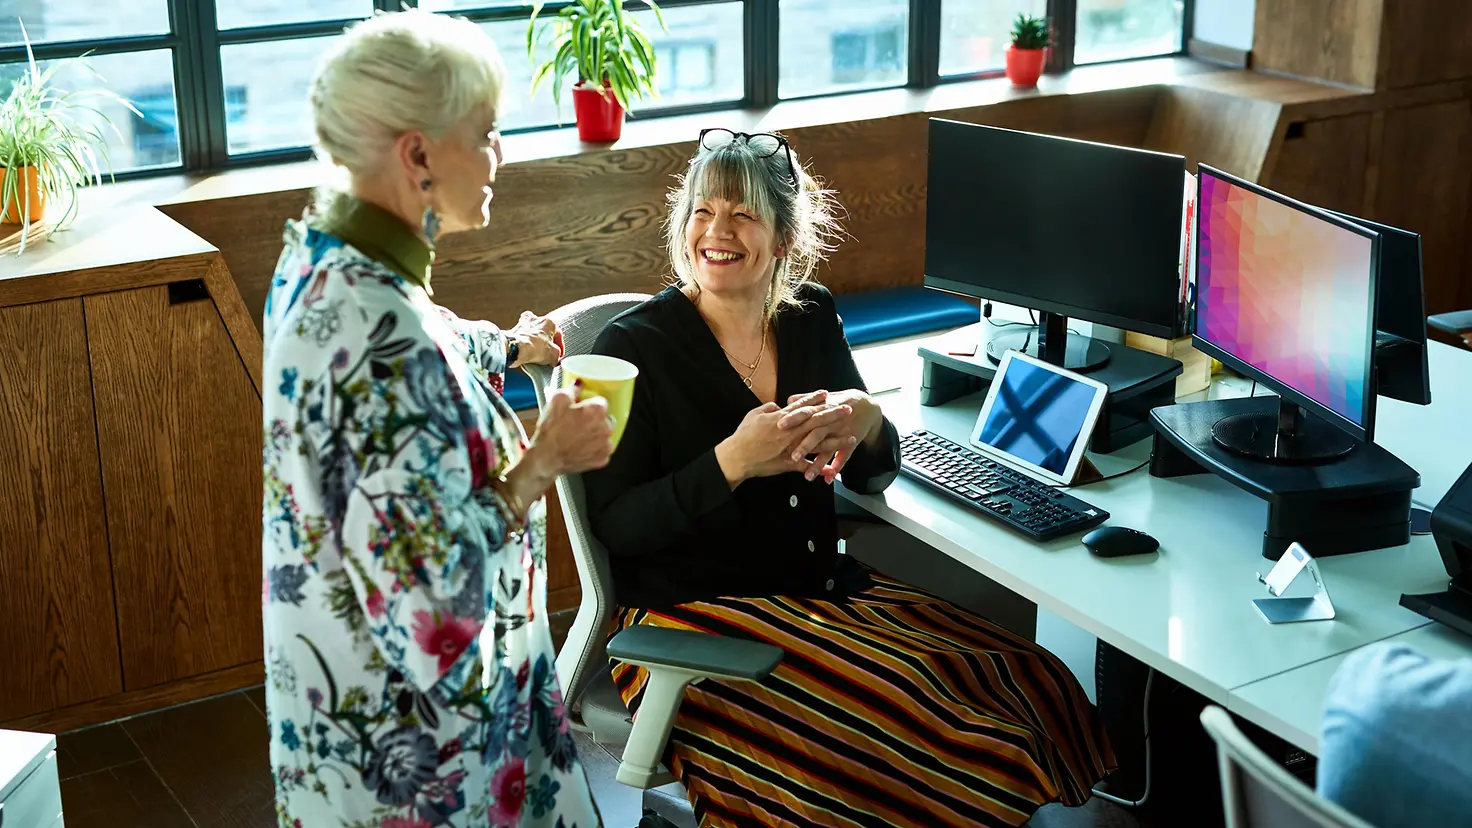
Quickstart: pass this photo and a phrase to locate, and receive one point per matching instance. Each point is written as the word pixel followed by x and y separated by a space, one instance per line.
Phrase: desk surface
pixel 1187 610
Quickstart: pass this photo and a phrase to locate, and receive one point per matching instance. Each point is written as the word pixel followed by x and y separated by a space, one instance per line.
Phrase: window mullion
pixel 924 43
pixel 1064 16
pixel 763 22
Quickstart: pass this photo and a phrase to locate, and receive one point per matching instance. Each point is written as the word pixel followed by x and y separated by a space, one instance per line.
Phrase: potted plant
pixel 602 43
pixel 1028 51
pixel 51 142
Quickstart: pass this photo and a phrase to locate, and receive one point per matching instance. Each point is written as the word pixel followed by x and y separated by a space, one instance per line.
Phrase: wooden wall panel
pixel 1332 40
pixel 566 228
pixel 1427 41
pixel 1229 132
pixel 58 638
pixel 1323 163
pixel 1425 166
pixel 179 422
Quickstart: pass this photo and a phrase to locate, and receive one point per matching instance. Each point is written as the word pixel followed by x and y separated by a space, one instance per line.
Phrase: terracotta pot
pixel 15 211
pixel 600 117
pixel 1025 66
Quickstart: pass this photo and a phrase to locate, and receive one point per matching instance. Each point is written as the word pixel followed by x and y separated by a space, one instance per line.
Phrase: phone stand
pixel 1281 610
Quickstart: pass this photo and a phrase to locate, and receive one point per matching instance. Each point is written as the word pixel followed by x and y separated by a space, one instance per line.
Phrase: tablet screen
pixel 1036 416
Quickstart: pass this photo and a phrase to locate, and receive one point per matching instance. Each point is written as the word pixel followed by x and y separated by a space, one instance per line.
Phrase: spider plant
pixel 56 133
pixel 599 41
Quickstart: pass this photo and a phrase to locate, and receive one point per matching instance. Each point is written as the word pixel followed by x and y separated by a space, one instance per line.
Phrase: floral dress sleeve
pixel 486 344
pixel 404 463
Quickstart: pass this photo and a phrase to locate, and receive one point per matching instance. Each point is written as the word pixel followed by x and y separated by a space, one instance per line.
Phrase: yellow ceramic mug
pixel 604 376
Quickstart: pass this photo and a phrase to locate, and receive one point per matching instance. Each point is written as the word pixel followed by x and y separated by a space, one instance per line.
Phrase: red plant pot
pixel 600 118
pixel 1025 66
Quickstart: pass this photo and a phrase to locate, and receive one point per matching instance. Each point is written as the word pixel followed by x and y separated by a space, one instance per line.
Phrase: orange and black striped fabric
pixel 893 707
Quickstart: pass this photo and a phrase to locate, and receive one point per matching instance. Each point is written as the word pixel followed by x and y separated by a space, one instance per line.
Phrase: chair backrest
pixel 1258 793
pixel 583 655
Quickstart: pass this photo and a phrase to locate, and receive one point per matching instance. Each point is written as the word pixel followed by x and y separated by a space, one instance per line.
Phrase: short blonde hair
pixel 396 72
pixel 802 213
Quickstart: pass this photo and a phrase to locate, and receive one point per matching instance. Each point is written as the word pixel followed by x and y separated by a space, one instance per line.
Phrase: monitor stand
pixel 1282 436
pixel 1050 341
pixel 1138 382
pixel 1357 501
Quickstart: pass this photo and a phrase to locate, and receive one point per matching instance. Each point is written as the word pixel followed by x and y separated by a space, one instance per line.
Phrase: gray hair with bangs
pixel 801 214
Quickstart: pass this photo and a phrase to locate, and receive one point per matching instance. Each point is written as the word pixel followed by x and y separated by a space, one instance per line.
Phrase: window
pixel 1120 29
pixel 974 35
pixel 841 45
pixel 223 82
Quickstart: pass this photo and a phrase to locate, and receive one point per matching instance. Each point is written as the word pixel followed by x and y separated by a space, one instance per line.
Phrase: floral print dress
pixel 411 676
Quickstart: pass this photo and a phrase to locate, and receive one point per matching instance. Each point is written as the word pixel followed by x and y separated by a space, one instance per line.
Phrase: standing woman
pixel 411 678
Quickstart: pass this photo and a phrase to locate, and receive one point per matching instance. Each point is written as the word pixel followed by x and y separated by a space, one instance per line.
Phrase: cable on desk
pixel 1142 464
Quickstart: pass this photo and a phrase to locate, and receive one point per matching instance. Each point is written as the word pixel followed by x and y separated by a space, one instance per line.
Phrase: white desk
pixel 1187 611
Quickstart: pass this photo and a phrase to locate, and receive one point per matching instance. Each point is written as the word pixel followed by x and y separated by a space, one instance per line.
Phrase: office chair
pixel 1257 793
pixel 1458 323
pixel 674 658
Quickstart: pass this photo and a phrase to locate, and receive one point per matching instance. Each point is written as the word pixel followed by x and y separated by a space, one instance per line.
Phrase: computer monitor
pixel 1065 227
pixel 1286 296
pixel 1401 369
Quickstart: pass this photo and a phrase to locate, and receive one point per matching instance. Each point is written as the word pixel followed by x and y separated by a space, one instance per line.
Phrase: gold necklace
pixel 752 366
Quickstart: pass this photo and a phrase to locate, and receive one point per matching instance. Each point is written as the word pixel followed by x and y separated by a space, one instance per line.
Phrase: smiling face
pixel 732 249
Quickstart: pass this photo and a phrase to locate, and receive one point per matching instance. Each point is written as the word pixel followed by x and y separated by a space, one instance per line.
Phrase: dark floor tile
pixel 126 796
pixel 94 749
pixel 620 805
pixel 213 755
pixel 257 696
pixel 560 623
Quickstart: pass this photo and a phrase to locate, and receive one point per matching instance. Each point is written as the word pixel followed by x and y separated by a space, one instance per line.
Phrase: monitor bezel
pixel 1083 313
pixel 1086 430
pixel 1364 432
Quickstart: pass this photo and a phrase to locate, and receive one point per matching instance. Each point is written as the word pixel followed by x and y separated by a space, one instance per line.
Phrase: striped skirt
pixel 891 708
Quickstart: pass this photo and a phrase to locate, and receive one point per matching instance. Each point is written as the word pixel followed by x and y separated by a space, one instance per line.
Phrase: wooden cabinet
pixel 59 641
pixel 131 467
pixel 180 466
pixel 1323 162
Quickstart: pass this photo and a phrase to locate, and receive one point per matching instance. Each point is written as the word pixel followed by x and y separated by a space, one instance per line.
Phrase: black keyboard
pixel 1034 508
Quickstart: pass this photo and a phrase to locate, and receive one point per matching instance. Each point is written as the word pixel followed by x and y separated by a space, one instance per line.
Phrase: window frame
pixel 196 44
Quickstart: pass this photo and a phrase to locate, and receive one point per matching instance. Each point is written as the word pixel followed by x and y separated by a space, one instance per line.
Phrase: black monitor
pixel 1061 226
pixel 1286 296
pixel 1401 370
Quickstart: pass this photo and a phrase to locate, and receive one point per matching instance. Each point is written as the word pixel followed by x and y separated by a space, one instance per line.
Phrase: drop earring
pixel 429 225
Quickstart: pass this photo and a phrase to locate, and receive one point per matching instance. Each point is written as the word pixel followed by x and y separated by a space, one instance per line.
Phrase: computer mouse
pixel 1115 541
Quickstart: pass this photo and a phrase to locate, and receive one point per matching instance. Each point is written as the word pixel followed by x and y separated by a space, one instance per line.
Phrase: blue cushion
pixel 876 315
pixel 519 391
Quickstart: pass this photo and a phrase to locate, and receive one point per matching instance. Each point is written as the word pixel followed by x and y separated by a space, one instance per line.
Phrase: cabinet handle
pixel 192 290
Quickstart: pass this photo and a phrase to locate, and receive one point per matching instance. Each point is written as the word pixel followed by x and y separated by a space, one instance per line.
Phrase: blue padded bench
pixel 869 316
pixel 877 315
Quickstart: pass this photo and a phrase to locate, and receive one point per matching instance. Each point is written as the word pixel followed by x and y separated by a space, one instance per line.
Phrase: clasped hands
pixel 815 434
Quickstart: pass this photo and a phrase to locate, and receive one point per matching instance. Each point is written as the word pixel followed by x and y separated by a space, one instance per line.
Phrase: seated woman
pixel 891 706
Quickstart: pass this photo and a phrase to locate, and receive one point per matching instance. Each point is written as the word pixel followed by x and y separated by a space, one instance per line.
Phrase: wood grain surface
pixel 179 422
pixel 58 641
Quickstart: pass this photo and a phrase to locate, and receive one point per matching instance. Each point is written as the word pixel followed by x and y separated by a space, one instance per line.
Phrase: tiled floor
pixel 204 765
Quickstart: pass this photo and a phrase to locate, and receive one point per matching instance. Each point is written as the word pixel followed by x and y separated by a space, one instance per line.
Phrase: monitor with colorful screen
pixel 1286 296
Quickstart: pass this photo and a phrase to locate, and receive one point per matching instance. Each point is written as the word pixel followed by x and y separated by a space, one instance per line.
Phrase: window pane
pixel 699 60
pixel 240 14
pixel 462 5
pixel 146 79
pixel 975 33
pixel 266 93
pixel 838 45
pixel 53 20
pixel 1119 29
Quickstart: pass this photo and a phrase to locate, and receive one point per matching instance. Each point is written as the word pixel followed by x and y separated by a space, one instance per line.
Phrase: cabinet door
pixel 180 430
pixel 58 639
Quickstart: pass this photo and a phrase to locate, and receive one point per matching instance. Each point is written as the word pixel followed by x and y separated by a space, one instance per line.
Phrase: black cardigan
pixel 674 529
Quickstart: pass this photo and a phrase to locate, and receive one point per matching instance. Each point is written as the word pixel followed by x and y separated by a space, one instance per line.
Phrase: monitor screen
pixel 1037 415
pixel 1086 230
pixel 1288 293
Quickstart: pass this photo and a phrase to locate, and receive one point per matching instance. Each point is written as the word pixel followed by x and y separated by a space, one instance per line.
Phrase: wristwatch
pixel 513 350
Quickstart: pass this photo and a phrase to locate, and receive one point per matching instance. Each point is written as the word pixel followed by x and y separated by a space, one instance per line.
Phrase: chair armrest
pixel 1457 322
pixel 699 653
